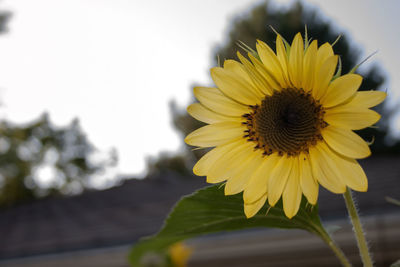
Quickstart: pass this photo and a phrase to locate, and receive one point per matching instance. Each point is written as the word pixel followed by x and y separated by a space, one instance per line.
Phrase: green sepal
pixel 339 70
pixel 286 43
pixel 248 49
pixel 353 70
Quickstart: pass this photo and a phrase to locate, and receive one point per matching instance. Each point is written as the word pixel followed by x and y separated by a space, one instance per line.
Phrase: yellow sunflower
pixel 180 254
pixel 282 124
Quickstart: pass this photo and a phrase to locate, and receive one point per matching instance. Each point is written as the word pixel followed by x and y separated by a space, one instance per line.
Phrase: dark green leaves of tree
pixel 209 210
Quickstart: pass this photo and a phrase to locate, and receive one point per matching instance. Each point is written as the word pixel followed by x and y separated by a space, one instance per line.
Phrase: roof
pixel 123 214
pixel 119 215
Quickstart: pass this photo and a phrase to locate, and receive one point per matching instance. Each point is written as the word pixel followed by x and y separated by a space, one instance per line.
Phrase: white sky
pixel 115 64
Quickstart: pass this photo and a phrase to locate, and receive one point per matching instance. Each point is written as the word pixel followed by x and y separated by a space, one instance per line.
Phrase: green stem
pixel 357 228
pixel 335 248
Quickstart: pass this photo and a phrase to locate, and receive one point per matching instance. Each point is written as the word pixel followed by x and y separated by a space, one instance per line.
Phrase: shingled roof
pixel 123 214
pixel 116 216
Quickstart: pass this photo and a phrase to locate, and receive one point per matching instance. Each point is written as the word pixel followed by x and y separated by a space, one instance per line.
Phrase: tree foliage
pixel 25 150
pixel 5 17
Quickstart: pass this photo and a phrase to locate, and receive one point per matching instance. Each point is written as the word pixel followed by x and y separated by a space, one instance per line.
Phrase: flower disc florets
pixel 287 122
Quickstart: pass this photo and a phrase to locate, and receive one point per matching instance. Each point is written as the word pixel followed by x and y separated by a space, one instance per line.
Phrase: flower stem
pixel 338 252
pixel 357 228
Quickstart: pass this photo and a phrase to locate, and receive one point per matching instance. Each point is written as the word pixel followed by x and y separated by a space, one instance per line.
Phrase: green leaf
pixel 208 211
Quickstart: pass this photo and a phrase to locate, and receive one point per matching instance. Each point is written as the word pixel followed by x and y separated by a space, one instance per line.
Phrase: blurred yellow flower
pixel 282 124
pixel 179 254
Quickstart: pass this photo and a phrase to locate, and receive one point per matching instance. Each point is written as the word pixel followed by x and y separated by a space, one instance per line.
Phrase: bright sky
pixel 115 64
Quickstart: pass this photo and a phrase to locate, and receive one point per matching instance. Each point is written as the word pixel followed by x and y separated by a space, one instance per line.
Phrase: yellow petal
pixel 346 142
pixel 234 87
pixel 292 193
pixel 201 113
pixel 215 134
pixel 238 69
pixel 352 118
pixel 296 61
pixel 204 164
pixel 283 60
pixel 239 180
pixel 308 183
pixel 273 84
pixel 309 65
pixel 348 171
pixel 258 80
pixel 366 99
pixel 251 209
pixel 215 100
pixel 324 76
pixel 352 174
pixel 271 62
pixel 325 169
pixel 278 179
pixel 219 171
pixel 341 89
pixel 259 179
pixel 324 52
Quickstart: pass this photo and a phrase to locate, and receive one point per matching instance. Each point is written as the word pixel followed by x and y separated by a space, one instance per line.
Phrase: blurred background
pixel 92 120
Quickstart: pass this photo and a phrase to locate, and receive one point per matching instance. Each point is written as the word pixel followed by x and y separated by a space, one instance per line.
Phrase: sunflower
pixel 281 124
pixel 179 254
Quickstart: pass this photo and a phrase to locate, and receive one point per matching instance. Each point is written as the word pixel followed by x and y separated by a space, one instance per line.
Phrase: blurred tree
pixel 166 162
pixel 5 17
pixel 178 163
pixel 288 21
pixel 26 151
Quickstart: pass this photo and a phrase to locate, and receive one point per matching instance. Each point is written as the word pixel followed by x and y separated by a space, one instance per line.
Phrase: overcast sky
pixel 115 64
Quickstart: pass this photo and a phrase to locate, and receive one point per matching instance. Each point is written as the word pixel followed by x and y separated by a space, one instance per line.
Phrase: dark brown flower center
pixel 288 122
